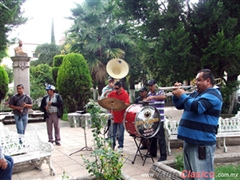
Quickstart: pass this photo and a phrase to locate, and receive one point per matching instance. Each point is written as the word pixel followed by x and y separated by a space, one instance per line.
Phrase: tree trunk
pixel 101 85
pixel 132 89
pixel 232 84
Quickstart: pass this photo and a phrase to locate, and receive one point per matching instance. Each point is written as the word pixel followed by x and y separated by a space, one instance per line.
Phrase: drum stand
pixel 139 153
pixel 85 138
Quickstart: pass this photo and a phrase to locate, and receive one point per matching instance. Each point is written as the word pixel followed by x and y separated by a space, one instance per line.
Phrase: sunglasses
pixel 116 88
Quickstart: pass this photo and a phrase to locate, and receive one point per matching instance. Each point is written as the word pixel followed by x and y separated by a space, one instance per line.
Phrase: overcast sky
pixel 40 14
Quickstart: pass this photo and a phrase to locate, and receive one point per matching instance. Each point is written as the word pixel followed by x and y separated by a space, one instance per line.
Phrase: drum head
pixel 147 121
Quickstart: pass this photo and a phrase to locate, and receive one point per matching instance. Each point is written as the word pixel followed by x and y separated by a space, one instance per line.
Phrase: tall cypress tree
pixel 52 33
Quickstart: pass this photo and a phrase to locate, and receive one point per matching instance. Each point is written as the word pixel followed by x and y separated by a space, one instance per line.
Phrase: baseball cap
pixel 50 87
pixel 143 89
pixel 110 78
pixel 151 82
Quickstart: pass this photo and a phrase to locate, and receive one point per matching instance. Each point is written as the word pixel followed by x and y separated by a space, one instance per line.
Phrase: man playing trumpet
pixel 198 125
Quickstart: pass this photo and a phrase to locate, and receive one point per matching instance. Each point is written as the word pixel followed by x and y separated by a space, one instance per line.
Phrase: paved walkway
pixel 73 140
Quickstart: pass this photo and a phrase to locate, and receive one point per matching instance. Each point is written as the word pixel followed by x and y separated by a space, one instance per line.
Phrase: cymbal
pixel 112 104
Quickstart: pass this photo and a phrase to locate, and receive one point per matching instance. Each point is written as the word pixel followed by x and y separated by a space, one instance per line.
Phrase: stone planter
pixel 165 170
pixel 125 177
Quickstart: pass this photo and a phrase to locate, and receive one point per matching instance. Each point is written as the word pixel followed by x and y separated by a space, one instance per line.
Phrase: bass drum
pixel 142 121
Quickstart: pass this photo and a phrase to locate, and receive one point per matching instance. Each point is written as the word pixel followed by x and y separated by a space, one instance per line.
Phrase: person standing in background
pixel 52 106
pixel 20 103
pixel 157 99
pixel 198 125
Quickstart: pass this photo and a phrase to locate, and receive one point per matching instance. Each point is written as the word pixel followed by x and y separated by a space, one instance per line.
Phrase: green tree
pixel 9 72
pixel 214 27
pixel 74 82
pixel 200 35
pixel 57 61
pixel 40 75
pixel 3 83
pixel 45 53
pixel 98 36
pixel 11 17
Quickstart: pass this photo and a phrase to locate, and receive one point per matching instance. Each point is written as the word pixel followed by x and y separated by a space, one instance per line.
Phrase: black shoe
pixel 143 147
pixel 58 143
pixel 149 155
pixel 162 159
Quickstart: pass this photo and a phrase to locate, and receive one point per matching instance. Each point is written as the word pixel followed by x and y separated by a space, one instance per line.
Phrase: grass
pixel 222 172
pixel 227 172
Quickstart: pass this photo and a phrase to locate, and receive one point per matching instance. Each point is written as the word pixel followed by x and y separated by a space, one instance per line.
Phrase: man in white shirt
pixel 108 88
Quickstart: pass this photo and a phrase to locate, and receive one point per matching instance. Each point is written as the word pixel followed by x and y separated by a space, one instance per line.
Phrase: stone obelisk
pixel 21 64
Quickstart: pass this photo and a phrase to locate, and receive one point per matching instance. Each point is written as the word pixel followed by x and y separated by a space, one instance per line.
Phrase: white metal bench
pixel 32 153
pixel 228 127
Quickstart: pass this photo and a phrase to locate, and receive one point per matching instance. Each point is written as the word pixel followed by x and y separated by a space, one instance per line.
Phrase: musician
pixel 198 125
pixel 143 97
pixel 122 95
pixel 108 88
pixel 157 97
pixel 105 91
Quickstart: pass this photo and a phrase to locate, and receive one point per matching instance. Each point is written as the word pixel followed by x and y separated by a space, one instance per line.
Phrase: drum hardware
pixel 142 121
pixel 112 104
pixel 138 144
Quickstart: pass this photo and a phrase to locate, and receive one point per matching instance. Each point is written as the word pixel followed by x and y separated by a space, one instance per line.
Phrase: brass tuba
pixel 117 68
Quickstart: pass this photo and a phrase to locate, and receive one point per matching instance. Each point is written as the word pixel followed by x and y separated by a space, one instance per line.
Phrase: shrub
pixel 57 61
pixel 74 82
pixel 3 83
pixel 106 163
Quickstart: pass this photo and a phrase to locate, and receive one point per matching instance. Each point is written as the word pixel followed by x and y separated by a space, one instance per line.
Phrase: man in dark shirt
pixel 143 95
pixel 20 103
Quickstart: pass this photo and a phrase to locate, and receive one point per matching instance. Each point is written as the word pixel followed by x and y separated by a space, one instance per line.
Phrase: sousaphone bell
pixel 117 68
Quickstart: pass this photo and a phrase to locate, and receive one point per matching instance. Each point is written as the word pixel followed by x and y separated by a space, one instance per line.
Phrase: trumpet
pixel 217 82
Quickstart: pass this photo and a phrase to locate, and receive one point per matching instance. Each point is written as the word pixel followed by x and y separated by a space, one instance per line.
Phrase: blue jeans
pixel 120 136
pixel 21 123
pixel 6 174
pixel 202 168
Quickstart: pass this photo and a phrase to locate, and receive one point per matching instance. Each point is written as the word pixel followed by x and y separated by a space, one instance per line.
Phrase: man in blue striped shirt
pixel 157 98
pixel 198 125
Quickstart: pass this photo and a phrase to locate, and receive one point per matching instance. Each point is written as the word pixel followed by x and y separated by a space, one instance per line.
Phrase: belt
pixel 50 113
